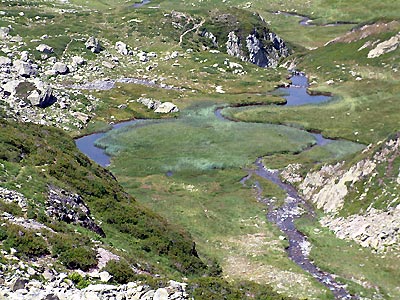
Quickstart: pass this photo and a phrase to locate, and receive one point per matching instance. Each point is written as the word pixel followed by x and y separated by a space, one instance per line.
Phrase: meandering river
pixel 283 216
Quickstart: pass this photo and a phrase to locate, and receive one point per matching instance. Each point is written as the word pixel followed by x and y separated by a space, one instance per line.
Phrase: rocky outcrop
pixel 10 196
pixel 369 185
pixel 328 187
pixel 264 48
pixel 385 47
pixel 70 208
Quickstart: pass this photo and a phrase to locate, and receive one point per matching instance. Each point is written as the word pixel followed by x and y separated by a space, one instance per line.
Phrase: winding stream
pixel 284 216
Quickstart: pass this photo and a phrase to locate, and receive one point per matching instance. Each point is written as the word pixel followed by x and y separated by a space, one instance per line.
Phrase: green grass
pixel 363 110
pixel 365 272
pixel 204 143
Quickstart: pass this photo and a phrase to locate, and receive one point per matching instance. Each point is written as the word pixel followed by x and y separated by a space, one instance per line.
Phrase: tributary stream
pixel 283 216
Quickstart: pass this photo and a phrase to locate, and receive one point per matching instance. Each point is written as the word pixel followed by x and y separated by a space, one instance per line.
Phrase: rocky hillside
pixel 59 207
pixel 360 197
pixel 244 35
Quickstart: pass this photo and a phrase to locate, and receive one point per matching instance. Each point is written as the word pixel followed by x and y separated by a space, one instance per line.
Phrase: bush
pixel 79 258
pixel 79 281
pixel 27 243
pixel 120 270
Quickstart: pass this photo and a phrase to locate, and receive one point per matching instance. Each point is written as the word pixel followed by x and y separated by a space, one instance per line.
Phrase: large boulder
pixel 45 49
pixel 11 86
pixel 78 61
pixel 42 97
pixel 93 44
pixel 24 69
pixel 60 68
pixel 166 107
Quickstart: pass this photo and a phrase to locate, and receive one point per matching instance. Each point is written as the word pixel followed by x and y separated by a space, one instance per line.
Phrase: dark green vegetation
pixel 47 156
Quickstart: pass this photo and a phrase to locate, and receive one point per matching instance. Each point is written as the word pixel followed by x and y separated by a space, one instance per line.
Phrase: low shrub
pixel 120 270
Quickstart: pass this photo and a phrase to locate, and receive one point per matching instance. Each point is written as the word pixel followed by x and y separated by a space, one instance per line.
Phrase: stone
pixel 11 86
pixel 105 276
pixel 167 107
pixel 19 284
pixel 24 69
pixel 96 288
pixel 51 297
pixel 60 68
pixel 108 65
pixel 42 96
pixel 161 294
pixel 78 60
pixel 4 31
pixel 24 56
pixel 148 296
pixel 45 49
pixel 48 275
pixel 385 47
pixel 5 61
pixel 121 48
pixel 93 45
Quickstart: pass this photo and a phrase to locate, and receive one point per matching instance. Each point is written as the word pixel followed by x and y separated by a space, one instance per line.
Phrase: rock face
pixel 233 45
pixel 93 45
pixel 264 48
pixel 70 208
pixel 385 47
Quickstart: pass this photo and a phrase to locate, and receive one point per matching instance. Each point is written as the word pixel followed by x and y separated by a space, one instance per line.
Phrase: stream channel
pixel 284 216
